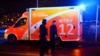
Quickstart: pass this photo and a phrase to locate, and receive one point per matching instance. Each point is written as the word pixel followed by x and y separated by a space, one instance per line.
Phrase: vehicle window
pixel 21 22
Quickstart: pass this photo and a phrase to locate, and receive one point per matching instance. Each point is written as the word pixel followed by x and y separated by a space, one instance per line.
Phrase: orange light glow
pixel 77 52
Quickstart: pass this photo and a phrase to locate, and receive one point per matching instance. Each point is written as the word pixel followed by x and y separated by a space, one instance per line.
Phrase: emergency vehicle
pixel 68 20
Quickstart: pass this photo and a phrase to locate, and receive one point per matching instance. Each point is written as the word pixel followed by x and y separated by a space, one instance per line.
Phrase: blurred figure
pixel 43 41
pixel 53 35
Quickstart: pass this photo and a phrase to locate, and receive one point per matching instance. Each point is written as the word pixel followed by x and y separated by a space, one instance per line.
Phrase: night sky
pixel 15 5
pixel 21 5
pixel 11 6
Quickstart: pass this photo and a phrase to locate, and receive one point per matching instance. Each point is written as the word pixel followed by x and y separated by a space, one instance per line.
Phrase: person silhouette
pixel 53 35
pixel 43 41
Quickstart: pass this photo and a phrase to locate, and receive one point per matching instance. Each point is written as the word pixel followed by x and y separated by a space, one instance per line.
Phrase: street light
pixel 37 3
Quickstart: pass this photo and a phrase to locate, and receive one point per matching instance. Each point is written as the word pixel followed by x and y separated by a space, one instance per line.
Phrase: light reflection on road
pixel 77 52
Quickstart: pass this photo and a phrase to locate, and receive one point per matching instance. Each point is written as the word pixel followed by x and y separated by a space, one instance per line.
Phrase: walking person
pixel 53 35
pixel 43 41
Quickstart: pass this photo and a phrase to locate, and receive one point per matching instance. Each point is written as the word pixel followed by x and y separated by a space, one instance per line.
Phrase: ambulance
pixel 68 21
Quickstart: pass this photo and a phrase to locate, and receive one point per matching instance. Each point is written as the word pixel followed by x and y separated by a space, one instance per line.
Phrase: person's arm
pixel 56 33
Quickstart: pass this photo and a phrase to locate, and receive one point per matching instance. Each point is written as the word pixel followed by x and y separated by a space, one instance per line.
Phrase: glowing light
pixel 82 6
pixel 77 52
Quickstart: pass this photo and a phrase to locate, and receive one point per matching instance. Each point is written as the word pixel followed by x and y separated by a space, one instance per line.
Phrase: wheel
pixel 12 39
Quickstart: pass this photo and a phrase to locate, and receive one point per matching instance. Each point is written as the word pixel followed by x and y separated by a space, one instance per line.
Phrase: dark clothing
pixel 43 33
pixel 53 32
pixel 43 48
pixel 43 41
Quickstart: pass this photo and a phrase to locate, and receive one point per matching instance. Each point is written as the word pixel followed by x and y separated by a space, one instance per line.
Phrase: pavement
pixel 2 41
pixel 33 49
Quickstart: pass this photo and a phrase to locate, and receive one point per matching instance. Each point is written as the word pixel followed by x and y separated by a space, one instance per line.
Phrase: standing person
pixel 43 41
pixel 53 35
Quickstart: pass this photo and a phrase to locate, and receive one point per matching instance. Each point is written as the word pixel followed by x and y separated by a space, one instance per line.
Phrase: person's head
pixel 44 21
pixel 54 22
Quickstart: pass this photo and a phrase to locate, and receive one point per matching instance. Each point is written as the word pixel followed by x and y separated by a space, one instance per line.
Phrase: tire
pixel 12 39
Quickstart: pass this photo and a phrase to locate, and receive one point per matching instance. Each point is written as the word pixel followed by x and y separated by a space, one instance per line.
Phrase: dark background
pixel 21 5
pixel 10 6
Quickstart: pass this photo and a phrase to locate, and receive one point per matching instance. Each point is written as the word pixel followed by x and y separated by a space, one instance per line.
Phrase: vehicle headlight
pixel 6 30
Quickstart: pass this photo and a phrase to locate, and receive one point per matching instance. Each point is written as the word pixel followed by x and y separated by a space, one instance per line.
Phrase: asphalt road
pixel 33 49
